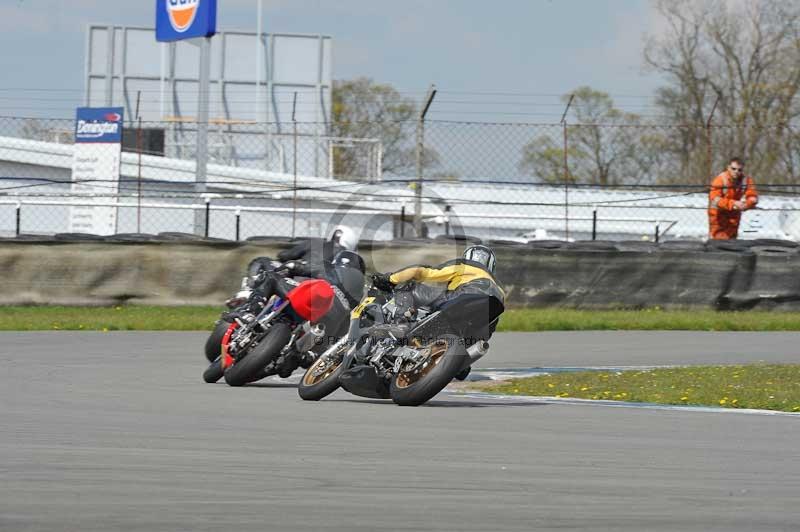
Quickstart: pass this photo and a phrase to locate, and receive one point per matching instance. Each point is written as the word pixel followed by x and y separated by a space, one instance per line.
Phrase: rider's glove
pixel 381 281
pixel 299 268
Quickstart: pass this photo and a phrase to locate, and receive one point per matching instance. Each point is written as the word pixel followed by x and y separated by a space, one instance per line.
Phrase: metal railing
pixel 501 181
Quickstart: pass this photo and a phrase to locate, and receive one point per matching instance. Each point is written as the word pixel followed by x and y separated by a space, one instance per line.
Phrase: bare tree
pixel 746 57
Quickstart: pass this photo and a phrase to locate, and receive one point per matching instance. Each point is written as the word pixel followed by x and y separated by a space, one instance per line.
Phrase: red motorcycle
pixel 279 338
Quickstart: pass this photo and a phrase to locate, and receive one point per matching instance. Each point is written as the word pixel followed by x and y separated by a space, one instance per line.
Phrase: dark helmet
pixel 349 259
pixel 482 255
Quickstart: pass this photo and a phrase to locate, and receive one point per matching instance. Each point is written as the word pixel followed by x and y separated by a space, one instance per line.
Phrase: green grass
pixel 761 386
pixel 647 320
pixel 123 318
pixel 149 318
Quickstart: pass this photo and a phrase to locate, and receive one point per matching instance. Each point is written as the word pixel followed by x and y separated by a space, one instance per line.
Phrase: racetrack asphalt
pixel 117 432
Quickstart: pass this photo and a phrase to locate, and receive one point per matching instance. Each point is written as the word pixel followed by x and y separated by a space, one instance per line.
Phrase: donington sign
pixel 95 169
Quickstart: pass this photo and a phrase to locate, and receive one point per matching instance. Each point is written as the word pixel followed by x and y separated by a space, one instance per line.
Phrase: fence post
pixel 139 165
pixel 403 220
pixel 420 148
pixel 19 216
pixel 238 221
pixel 294 157
pixel 566 168
pixel 710 142
pixel 208 215
pixel 657 233
pixel 594 224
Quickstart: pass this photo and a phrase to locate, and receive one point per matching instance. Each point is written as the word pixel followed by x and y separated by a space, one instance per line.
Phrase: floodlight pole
pixel 259 15
pixel 420 147
pixel 202 130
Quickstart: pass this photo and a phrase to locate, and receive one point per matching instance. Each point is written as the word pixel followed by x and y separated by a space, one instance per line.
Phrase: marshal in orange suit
pixel 731 193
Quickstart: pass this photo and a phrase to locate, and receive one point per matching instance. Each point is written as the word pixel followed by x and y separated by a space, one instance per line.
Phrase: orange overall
pixel 723 212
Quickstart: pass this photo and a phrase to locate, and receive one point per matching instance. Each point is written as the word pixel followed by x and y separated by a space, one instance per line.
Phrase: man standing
pixel 731 193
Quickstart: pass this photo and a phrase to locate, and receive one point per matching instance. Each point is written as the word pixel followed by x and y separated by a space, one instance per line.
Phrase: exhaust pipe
pixel 311 334
pixel 475 352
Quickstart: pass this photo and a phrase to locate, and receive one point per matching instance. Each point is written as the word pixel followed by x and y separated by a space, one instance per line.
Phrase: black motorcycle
pixel 408 354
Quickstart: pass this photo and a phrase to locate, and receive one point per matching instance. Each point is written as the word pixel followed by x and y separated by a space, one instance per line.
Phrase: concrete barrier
pixel 163 272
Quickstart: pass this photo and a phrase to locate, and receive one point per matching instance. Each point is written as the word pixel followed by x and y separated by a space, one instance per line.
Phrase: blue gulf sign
pixel 185 19
pixel 98 124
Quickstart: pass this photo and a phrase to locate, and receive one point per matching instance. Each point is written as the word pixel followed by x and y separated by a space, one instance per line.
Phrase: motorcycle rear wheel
pixel 446 357
pixel 250 368
pixel 322 378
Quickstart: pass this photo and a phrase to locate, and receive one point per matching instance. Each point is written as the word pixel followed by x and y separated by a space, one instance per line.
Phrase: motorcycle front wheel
pixel 322 378
pixel 444 358
pixel 214 341
pixel 213 372
pixel 250 368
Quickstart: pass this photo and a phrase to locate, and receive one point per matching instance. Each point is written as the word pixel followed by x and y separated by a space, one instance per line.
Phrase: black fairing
pixel 364 382
pixel 470 316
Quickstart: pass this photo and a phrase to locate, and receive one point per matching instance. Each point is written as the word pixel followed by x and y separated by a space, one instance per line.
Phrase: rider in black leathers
pixel 332 260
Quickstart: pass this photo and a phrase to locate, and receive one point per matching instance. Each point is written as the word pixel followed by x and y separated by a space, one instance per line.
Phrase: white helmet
pixel 345 237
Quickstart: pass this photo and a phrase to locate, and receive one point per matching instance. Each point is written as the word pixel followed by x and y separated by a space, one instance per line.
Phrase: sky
pixel 507 60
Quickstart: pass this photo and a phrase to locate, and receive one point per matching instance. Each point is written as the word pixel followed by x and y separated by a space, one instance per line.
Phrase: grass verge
pixel 195 318
pixel 120 318
pixel 647 320
pixel 760 386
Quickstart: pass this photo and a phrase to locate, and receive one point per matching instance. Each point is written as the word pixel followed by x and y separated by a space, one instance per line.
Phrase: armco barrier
pixel 167 270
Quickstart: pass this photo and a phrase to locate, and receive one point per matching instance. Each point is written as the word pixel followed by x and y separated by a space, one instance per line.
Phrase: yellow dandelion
pixel 723 401
pixel 684 398
pixel 551 385
pixel 584 388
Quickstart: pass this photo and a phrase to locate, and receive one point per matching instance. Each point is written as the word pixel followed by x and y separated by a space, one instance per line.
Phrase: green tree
pixel 363 109
pixel 604 147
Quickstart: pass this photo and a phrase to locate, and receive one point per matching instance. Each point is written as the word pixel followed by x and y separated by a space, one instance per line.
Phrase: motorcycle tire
pixel 312 388
pixel 448 357
pixel 214 341
pixel 213 372
pixel 251 367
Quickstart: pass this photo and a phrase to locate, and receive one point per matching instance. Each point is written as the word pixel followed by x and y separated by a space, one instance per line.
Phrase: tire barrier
pixel 165 270
pixel 546 244
pixel 78 237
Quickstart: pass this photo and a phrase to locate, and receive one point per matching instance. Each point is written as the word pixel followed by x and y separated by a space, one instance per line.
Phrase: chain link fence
pixel 515 182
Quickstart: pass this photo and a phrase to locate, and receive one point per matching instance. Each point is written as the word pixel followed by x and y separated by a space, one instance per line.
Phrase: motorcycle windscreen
pixel 312 299
pixel 351 281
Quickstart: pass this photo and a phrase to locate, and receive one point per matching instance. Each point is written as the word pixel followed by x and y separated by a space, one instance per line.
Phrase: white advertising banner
pixel 95 170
